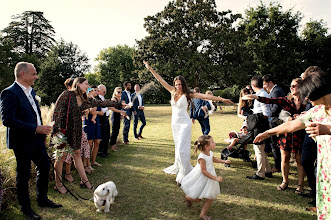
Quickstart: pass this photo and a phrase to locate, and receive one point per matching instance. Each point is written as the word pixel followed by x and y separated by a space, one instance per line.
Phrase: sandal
pixel 83 185
pixel 96 164
pixel 69 180
pixel 205 217
pixel 280 188
pixel 58 189
pixel 87 169
pixel 298 191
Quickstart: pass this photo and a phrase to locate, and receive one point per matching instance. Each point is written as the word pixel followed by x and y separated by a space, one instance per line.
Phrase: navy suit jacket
pixel 19 117
pixel 125 98
pixel 136 102
pixel 275 109
pixel 198 112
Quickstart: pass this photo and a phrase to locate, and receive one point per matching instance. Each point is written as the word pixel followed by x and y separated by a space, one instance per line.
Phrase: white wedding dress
pixel 181 131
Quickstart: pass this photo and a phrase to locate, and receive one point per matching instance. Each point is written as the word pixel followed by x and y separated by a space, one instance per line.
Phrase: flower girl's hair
pixel 201 143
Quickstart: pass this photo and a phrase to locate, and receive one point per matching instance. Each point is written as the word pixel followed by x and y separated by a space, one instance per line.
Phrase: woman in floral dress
pixel 76 101
pixel 317 122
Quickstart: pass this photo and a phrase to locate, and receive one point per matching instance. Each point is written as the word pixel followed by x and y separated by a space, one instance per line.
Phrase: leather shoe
pixel 48 203
pixel 269 175
pixel 126 142
pixel 255 177
pixel 30 214
pixel 139 136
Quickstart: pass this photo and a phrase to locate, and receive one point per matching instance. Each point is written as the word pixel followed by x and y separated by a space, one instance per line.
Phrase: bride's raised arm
pixel 159 78
pixel 210 97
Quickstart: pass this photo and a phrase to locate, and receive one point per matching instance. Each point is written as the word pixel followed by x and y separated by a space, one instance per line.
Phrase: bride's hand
pixel 146 64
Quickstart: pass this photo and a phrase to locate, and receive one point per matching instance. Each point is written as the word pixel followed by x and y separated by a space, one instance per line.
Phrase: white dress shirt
pixel 140 101
pixel 27 92
pixel 260 107
pixel 104 110
pixel 129 95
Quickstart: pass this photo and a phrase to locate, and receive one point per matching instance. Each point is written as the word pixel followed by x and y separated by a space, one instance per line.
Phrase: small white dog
pixel 104 195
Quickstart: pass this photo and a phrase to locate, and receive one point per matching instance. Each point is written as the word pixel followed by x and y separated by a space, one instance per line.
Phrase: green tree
pixel 273 42
pixel 191 38
pixel 115 65
pixel 63 61
pixel 30 33
pixel 317 45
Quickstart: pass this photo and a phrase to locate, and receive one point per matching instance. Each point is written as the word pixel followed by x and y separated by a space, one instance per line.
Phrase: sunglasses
pixel 293 86
pixel 119 91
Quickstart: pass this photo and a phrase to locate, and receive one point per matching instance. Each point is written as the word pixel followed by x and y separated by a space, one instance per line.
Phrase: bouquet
pixel 60 145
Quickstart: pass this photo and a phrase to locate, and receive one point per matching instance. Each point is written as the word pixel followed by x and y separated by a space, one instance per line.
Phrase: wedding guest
pixel 202 182
pixel 199 111
pixel 68 158
pixel 262 112
pixel 317 122
pixel 116 118
pixel 275 92
pixel 67 115
pixel 309 148
pixel 104 123
pixel 211 103
pixel 26 135
pixel 181 124
pixel 244 106
pixel 138 112
pixel 289 142
pixel 92 127
pixel 126 97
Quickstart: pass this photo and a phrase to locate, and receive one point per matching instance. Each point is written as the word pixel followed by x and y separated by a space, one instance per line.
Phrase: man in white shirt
pixel 26 135
pixel 138 112
pixel 263 165
pixel 104 122
pixel 126 98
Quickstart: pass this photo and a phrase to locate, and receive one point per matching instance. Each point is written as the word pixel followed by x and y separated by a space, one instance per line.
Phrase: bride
pixel 181 122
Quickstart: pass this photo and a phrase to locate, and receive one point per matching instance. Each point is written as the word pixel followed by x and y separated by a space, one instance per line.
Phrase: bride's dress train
pixel 181 130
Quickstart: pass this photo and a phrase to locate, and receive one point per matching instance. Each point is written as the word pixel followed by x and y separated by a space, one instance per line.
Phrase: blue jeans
pixel 141 116
pixel 205 126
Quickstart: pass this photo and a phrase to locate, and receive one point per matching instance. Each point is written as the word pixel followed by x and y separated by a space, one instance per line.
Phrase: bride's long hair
pixel 185 88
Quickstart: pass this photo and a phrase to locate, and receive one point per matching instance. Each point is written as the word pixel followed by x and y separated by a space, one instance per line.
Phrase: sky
pixel 99 24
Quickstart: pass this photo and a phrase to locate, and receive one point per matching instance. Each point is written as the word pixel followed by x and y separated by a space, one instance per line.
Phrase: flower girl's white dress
pixel 196 185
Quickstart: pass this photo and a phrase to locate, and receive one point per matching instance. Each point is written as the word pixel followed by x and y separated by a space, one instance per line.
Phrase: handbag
pixel 64 130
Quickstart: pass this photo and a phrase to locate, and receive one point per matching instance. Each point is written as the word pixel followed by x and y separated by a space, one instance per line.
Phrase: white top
pixel 129 95
pixel 140 101
pixel 27 92
pixel 260 107
pixel 104 110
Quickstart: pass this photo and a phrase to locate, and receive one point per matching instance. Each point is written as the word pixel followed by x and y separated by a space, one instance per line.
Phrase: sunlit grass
pixel 146 192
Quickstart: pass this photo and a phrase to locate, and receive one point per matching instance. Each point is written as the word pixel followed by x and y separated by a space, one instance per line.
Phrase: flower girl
pixel 202 181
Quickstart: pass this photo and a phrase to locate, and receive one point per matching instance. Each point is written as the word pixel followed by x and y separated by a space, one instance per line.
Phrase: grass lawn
pixel 146 192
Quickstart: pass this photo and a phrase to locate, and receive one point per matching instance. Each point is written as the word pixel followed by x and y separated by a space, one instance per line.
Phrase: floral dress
pixel 323 186
pixel 289 141
pixel 74 127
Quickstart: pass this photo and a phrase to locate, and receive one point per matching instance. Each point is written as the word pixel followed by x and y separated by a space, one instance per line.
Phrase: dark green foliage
pixel 30 33
pixel 63 61
pixel 115 65
pixel 273 43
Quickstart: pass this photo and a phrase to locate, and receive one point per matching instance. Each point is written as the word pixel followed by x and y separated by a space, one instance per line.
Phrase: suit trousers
pixel 24 155
pixel 141 116
pixel 308 158
pixel 126 127
pixel 263 165
pixel 205 126
pixel 105 134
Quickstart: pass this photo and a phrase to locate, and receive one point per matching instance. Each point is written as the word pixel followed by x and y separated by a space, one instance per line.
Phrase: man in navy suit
pixel 274 92
pixel 199 114
pixel 138 112
pixel 127 98
pixel 26 135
